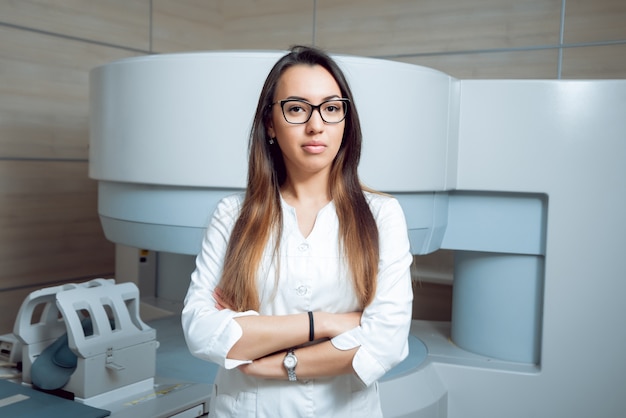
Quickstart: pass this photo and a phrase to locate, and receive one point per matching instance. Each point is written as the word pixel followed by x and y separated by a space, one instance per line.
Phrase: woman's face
pixel 308 148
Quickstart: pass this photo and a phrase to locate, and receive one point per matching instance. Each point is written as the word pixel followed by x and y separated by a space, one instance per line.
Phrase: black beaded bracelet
pixel 311 327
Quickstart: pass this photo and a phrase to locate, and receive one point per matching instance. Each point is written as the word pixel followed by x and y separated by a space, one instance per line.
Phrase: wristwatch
pixel 290 361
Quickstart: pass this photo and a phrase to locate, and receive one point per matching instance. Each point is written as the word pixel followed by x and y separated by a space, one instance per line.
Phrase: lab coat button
pixel 302 290
pixel 303 247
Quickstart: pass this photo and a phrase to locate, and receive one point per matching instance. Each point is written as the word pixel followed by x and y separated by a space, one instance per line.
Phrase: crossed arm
pixel 266 338
pixel 367 343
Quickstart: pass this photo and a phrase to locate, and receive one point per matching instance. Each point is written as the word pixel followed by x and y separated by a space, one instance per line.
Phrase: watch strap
pixel 292 375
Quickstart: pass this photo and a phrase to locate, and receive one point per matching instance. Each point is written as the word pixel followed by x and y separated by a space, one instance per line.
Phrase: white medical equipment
pixel 523 179
pixel 115 358
pixel 10 349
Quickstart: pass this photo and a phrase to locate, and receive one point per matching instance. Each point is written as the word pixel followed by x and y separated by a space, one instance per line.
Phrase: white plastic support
pixel 49 325
pixel 123 301
pixel 119 350
pixel 39 321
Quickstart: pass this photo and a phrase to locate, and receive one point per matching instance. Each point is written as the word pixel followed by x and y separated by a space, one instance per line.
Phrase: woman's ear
pixel 270 130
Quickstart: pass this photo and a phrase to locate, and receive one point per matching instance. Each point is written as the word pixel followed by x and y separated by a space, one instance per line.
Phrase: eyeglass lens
pixel 300 111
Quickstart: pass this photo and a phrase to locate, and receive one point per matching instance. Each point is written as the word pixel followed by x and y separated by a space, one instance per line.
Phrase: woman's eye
pixel 295 109
pixel 332 107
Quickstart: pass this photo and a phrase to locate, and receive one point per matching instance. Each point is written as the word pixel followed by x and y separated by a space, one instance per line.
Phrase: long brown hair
pixel 261 217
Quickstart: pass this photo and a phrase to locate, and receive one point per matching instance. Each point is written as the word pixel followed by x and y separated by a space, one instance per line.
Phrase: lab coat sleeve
pixel 382 337
pixel 211 333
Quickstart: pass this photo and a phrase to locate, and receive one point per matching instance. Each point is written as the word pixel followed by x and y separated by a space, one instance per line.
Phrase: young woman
pixel 302 290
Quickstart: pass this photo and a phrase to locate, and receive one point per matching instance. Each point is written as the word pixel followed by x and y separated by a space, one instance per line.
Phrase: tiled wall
pixel 48 222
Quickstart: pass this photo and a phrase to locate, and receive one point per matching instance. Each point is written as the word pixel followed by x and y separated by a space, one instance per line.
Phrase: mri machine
pixel 524 180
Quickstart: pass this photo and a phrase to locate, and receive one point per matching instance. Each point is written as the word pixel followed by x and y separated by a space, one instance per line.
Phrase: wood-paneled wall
pixel 50 232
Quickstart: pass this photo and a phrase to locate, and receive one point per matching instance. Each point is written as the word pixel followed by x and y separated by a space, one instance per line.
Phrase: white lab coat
pixel 312 278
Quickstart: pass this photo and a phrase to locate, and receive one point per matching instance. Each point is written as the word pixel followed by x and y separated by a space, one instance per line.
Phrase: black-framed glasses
pixel 298 111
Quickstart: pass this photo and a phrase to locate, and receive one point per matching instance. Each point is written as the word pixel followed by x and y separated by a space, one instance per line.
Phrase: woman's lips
pixel 314 147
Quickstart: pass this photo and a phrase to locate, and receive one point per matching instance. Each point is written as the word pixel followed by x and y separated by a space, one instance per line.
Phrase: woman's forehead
pixel 307 82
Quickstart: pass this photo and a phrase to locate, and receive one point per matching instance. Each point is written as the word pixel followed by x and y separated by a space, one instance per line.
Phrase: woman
pixel 302 289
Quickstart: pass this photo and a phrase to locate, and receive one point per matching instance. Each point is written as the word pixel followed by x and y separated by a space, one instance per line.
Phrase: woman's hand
pixel 219 302
pixel 329 325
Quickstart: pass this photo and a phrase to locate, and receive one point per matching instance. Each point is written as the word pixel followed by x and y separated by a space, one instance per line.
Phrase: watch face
pixel 290 361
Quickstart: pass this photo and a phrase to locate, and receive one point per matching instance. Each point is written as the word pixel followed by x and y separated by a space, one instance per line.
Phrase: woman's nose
pixel 315 122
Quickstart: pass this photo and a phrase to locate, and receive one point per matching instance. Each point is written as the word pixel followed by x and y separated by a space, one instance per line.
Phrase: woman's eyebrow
pixel 332 96
pixel 296 98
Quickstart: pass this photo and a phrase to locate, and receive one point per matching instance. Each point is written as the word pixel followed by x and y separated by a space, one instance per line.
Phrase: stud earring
pixel 271 141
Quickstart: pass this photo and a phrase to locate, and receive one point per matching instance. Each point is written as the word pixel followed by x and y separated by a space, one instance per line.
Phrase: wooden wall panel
pixel 596 62
pixel 186 25
pixel 44 94
pixel 267 24
pixel 48 207
pixel 383 27
pixel 50 227
pixel 594 21
pixel 436 267
pixel 432 285
pixel 539 64
pixel 432 301
pixel 125 23
pixel 10 302
pixel 49 223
